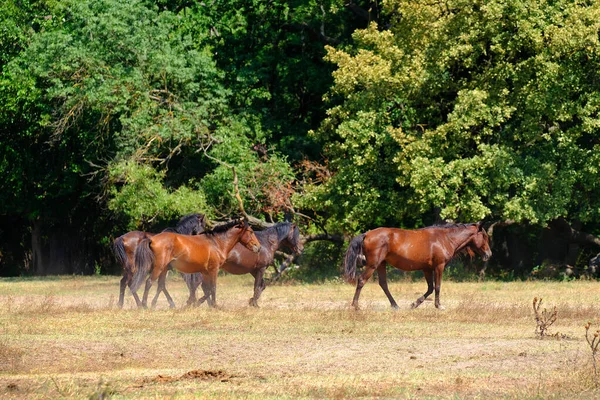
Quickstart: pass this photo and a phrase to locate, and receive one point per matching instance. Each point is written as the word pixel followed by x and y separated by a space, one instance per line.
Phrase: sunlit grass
pixel 64 337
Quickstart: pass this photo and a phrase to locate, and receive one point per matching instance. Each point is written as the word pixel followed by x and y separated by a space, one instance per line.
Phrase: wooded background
pixel 343 115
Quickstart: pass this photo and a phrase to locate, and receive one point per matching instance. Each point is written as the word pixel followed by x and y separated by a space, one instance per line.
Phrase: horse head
pixel 201 224
pixel 191 224
pixel 293 240
pixel 248 238
pixel 480 242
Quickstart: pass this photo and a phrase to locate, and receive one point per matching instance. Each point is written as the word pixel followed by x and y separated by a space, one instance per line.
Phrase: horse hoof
pixel 440 307
pixel 414 305
pixel 395 307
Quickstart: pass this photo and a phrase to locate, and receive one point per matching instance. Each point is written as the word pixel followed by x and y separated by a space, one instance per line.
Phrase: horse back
pixel 408 250
pixel 185 253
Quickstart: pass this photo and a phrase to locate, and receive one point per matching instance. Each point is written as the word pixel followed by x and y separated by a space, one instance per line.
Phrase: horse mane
pixel 450 226
pixel 223 227
pixel 186 225
pixel 281 228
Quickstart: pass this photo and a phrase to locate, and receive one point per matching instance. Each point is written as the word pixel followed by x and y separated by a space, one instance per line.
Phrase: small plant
pixel 593 342
pixel 543 319
pixel 97 269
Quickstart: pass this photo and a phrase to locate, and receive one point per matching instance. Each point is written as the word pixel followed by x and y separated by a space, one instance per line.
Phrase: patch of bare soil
pixel 217 375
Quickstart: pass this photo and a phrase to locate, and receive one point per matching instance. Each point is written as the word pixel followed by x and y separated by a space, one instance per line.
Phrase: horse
pixel 427 249
pixel 124 248
pixel 593 265
pixel 204 253
pixel 242 261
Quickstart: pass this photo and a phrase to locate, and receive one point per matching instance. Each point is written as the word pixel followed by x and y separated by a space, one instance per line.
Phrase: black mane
pixel 188 225
pixel 282 229
pixel 450 226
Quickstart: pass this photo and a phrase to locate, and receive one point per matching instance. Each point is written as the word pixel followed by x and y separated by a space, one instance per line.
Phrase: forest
pixel 341 115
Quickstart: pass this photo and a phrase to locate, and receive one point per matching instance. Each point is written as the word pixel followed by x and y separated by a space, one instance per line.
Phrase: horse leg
pixel 158 290
pixel 211 284
pixel 362 279
pixel 192 285
pixel 259 286
pixel 205 290
pixel 149 283
pixel 374 258
pixel 154 275
pixel 438 283
pixel 138 302
pixel 429 278
pixel 122 291
pixel 162 279
pixel 382 274
pixel 167 295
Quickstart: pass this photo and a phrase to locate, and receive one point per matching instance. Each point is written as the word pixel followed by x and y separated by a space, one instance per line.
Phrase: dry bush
pixel 593 342
pixel 544 319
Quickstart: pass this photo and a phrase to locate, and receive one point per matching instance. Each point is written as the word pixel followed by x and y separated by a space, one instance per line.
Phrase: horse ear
pixel 479 225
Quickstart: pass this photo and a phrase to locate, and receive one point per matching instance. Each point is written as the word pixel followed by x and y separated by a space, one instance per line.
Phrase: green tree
pixel 114 82
pixel 475 110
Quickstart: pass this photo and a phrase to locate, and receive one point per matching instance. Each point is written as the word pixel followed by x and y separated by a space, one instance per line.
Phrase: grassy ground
pixel 65 338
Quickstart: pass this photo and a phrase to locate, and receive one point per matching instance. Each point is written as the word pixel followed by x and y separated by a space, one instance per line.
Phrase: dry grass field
pixel 64 337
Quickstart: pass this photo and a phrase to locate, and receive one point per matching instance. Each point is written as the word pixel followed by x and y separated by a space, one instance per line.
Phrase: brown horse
pixel 124 247
pixel 204 253
pixel 427 249
pixel 242 261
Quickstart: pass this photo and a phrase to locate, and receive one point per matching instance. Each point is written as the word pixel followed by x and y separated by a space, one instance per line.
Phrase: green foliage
pixel 115 81
pixel 471 109
pixel 265 182
pixel 271 54
pixel 458 110
pixel 320 261
pixel 138 192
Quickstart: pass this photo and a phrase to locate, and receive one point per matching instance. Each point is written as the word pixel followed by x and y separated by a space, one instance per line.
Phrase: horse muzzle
pixel 256 248
pixel 486 256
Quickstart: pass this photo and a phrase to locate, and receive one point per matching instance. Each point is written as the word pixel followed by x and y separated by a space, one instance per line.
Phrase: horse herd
pixel 199 254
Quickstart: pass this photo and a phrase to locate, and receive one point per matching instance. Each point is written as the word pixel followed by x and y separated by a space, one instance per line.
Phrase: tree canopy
pixel 470 110
pixel 344 115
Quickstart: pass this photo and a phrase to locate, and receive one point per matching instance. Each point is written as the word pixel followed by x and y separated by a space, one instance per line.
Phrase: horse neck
pixel 269 238
pixel 228 239
pixel 461 237
pixel 185 229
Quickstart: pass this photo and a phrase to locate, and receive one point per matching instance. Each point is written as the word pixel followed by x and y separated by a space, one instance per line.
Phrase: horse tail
pixel 119 250
pixel 353 255
pixel 144 261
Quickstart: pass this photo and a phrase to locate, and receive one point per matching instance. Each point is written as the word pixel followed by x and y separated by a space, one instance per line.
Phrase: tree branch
pixel 323 236
pixel 573 234
pixel 358 11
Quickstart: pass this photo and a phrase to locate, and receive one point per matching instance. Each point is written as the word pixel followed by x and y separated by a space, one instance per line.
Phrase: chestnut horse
pixel 242 261
pixel 124 247
pixel 427 249
pixel 204 253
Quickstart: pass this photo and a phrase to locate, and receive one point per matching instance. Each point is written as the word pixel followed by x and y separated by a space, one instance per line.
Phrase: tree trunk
pixel 58 249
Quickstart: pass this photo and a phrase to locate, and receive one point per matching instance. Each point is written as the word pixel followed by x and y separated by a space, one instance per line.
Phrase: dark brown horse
pixel 427 249
pixel 204 253
pixel 124 247
pixel 242 261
